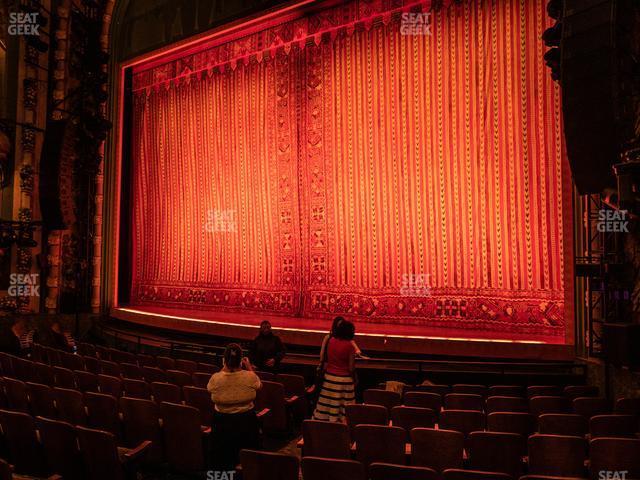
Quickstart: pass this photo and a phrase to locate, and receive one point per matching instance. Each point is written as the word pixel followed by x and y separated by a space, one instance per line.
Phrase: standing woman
pixel 338 387
pixel 235 425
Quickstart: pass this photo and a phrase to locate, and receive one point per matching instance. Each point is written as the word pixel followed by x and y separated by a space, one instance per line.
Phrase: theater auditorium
pixel 319 239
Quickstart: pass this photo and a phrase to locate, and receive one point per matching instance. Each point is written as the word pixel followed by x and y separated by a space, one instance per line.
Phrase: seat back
pixel 146 360
pixel 17 394
pixel 575 391
pixel 42 400
pixel 464 421
pixel 60 448
pixel 23 370
pixel 441 390
pixel 266 376
pixel 182 435
pixel 379 443
pixel 511 422
pixel 136 388
pixel 268 466
pixel 70 406
pixel 107 367
pixel 457 474
pixel 628 406
pixel 154 374
pixel 100 453
pixel 357 414
pixel 179 378
pixel 615 426
pixel 387 471
pixel 44 374
pixel 557 455
pixel 71 361
pixel 615 455
pixel 165 363
pixel 201 379
pixel 386 398
pixel 496 452
pixel 424 400
pixel 25 453
pixel 188 366
pixel 131 370
pixel 549 404
pixel 293 384
pixel 102 412
pixel 316 468
pixel 409 418
pixel 591 406
pixel 543 391
pixel 166 392
pixel 271 396
pixel 506 391
pixel 209 368
pixel 91 364
pixel 86 381
pixel 436 449
pixel 463 401
pixel 110 385
pixel 562 424
pixel 470 389
pixel 199 398
pixel 325 439
pixel 140 422
pixel 507 404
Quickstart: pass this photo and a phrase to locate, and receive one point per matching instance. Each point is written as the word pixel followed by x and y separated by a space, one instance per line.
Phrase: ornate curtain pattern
pixel 404 178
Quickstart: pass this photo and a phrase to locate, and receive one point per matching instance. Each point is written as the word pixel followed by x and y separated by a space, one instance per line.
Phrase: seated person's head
pixel 55 326
pixel 232 356
pixel 265 327
pixel 345 330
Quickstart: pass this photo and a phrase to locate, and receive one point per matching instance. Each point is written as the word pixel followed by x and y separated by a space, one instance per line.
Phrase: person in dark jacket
pixel 267 349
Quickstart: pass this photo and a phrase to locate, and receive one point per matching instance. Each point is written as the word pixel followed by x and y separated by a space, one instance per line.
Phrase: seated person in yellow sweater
pixel 233 391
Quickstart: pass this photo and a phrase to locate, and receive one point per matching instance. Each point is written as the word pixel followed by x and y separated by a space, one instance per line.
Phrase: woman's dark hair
pixel 345 330
pixel 334 326
pixel 233 355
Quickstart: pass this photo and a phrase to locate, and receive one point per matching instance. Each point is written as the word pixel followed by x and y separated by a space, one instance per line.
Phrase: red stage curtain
pixel 405 178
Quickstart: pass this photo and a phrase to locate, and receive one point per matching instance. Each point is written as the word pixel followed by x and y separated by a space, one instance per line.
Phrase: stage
pixel 379 338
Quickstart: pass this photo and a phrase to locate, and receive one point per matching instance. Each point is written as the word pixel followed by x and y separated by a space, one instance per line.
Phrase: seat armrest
pixel 262 413
pixel 138 451
pixel 205 430
pixel 292 400
pixel 310 389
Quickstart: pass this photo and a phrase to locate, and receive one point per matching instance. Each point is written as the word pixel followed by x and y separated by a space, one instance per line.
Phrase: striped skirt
pixel 336 392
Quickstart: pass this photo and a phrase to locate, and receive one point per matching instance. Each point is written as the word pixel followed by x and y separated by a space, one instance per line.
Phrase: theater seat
pixel 268 466
pixel 103 459
pixel 436 449
pixel 496 452
pixel 386 398
pixel 200 398
pixel 60 448
pixel 183 437
pixel 409 418
pixel 380 443
pixel 558 455
pixel 458 474
pixel 615 455
pixel 624 426
pixel 315 468
pixel 387 471
pixel 325 439
pixel 357 414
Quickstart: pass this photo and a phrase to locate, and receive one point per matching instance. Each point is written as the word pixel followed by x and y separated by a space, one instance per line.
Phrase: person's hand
pixel 245 363
pixel 270 363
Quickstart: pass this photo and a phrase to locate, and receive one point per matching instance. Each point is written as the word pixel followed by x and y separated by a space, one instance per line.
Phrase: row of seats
pixel 375 462
pixel 68 404
pixel 169 434
pixel 466 421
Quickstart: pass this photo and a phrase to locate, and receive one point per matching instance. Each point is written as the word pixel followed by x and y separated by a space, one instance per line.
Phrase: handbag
pixel 320 372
